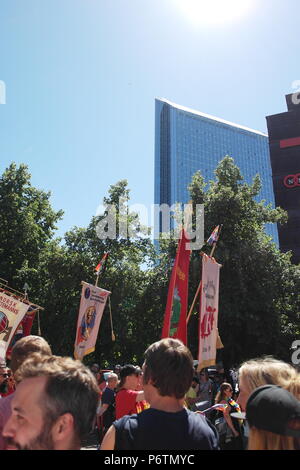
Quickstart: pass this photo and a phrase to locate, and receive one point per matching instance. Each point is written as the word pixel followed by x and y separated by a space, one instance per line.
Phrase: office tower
pixel 284 140
pixel 187 141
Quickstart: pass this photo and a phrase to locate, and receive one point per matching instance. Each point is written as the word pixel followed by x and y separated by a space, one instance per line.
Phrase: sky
pixel 80 79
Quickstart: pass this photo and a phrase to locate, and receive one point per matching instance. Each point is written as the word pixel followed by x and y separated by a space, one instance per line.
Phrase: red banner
pixel 177 302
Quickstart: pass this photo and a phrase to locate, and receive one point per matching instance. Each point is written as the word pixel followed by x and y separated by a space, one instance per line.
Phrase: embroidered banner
pixel 209 308
pixel 92 304
pixel 12 312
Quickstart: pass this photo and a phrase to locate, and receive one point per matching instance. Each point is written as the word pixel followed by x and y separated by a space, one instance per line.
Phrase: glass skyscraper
pixel 187 141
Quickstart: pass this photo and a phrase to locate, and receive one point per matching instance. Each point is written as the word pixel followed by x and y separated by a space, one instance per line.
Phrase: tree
pixel 62 267
pixel 27 222
pixel 258 303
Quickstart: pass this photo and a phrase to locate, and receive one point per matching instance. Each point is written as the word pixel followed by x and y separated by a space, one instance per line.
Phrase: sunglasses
pixel 5 375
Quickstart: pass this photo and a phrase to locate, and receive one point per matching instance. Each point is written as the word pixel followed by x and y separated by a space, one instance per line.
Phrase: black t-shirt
pixel 108 398
pixel 156 430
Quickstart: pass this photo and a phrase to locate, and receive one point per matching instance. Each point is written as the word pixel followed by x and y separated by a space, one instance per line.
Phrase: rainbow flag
pixel 214 236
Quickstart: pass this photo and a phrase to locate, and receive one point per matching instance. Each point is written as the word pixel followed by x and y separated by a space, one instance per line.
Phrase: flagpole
pixel 194 301
pixel 215 243
pixel 111 323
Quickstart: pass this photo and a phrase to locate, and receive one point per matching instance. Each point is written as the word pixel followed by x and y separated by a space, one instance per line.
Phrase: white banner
pixel 12 312
pixel 92 304
pixel 209 308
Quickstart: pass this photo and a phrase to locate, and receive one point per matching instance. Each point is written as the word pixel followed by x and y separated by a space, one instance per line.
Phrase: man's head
pixel 27 346
pixel 95 368
pixel 3 378
pixel 169 368
pixel 130 376
pixel 54 405
pixel 112 380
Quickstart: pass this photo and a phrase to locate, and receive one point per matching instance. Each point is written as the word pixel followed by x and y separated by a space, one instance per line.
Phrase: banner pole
pixel 194 301
pixel 215 243
pixel 113 338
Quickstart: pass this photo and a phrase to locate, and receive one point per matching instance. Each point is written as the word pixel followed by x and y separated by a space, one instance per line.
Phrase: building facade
pixel 187 141
pixel 284 141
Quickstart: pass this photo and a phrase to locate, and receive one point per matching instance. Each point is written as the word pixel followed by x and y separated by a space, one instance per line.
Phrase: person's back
pixel 161 430
pixel 167 424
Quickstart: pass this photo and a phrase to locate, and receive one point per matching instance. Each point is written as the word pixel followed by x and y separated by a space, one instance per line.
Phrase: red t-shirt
pixel 126 403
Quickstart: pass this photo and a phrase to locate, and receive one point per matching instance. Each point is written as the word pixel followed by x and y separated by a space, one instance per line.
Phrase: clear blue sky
pixel 81 77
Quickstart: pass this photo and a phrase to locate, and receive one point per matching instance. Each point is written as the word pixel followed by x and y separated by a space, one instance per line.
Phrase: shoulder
pixel 124 392
pixel 200 424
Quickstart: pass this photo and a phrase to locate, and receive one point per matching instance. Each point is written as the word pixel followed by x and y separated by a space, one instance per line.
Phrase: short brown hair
pixel 169 366
pixel 25 347
pixel 71 388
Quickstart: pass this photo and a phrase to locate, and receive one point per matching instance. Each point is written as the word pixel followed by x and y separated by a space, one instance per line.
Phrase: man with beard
pixel 54 406
pixel 21 351
pixel 3 380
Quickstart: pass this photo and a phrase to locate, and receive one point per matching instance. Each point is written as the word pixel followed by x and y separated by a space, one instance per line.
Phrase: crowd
pixel 51 402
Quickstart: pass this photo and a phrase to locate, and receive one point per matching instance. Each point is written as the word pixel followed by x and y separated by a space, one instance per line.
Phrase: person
pixel 9 383
pixel 191 395
pixel 273 414
pixel 229 430
pixel 117 369
pixel 205 391
pixel 3 380
pixel 167 424
pixel 54 405
pixel 265 371
pixel 107 408
pixel 95 368
pixel 21 351
pixel 129 400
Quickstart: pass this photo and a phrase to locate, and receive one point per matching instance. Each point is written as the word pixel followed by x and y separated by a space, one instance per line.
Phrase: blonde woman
pixel 273 414
pixel 266 371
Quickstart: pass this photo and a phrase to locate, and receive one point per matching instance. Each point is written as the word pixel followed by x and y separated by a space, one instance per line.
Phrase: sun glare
pixel 214 11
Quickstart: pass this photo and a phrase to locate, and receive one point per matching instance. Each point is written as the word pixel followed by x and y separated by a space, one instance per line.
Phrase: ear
pixel 63 429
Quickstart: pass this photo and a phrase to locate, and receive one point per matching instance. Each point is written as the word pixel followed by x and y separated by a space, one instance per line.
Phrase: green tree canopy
pixel 27 221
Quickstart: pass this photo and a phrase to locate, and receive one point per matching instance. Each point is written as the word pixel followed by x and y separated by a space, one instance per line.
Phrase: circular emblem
pixel 87 293
pixel 291 181
pixel 3 322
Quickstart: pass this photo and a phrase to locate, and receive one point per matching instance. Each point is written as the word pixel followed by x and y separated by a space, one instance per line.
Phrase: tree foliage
pixel 259 287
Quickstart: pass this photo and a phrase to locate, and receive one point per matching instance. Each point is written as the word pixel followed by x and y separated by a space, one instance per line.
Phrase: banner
pixel 209 308
pixel 177 302
pixel 92 304
pixel 12 312
pixel 23 329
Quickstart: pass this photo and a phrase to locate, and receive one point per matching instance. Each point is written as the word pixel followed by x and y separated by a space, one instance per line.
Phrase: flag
pixel 176 309
pixel 214 236
pixel 209 307
pixel 99 266
pixel 92 304
pixel 23 329
pixel 12 312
